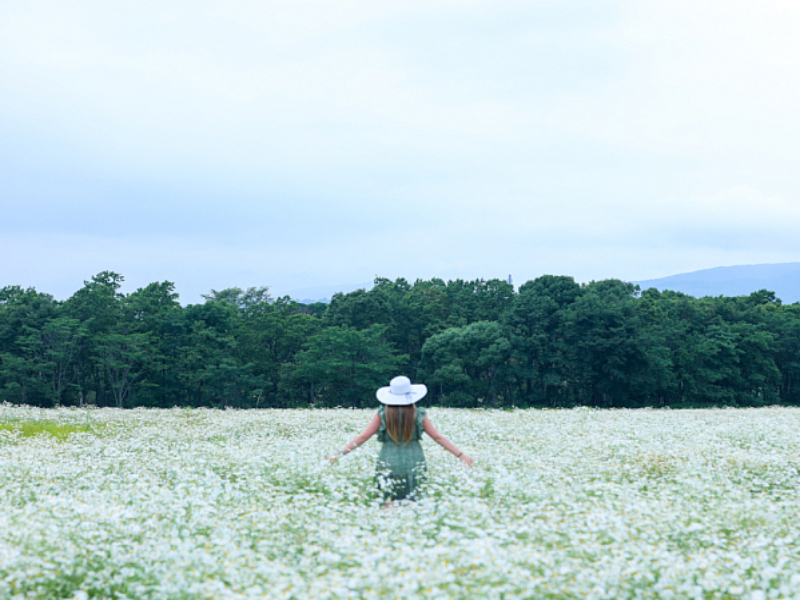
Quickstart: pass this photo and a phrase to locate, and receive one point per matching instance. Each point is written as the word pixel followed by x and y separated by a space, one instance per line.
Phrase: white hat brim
pixel 418 392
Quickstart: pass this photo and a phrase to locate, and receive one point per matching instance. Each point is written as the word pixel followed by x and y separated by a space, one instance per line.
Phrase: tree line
pixel 551 343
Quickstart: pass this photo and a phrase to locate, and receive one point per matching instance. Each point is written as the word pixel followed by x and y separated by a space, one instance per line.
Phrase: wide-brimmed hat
pixel 401 392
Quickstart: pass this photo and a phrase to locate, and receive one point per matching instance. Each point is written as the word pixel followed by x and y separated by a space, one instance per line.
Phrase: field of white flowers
pixel 185 504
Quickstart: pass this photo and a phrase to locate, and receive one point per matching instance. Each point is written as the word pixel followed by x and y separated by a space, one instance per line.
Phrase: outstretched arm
pixel 362 437
pixel 445 443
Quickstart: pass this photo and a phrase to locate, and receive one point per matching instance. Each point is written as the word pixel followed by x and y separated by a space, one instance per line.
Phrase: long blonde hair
pixel 400 422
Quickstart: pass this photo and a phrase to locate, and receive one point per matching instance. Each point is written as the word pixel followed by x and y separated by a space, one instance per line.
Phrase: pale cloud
pixel 746 209
pixel 709 80
pixel 293 143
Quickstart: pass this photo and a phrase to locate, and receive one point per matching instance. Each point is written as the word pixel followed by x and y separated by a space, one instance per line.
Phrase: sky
pixel 296 144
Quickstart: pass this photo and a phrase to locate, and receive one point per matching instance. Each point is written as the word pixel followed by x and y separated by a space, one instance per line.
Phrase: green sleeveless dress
pixel 401 467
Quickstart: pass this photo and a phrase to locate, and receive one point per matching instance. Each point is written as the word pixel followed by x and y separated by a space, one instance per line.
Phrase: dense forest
pixel 551 343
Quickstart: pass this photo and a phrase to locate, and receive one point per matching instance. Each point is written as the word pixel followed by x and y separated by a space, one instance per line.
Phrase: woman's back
pixel 418 417
pixel 401 465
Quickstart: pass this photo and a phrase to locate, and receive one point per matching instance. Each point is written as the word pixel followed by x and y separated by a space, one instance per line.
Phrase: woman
pixel 400 424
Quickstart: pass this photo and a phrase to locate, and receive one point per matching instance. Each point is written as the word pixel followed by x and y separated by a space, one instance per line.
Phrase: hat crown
pixel 401 392
pixel 400 386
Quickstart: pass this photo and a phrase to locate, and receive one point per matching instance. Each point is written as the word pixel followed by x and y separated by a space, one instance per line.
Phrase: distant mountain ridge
pixel 741 280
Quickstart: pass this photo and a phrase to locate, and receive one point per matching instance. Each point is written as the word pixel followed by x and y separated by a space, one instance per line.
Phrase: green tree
pixel 54 349
pixel 613 362
pixel 21 312
pixel 470 364
pixel 124 357
pixel 536 332
pixel 786 324
pixel 98 307
pixel 343 366
pixel 153 311
pixel 206 348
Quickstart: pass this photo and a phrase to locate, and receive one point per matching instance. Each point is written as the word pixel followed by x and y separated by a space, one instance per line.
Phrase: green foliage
pixel 59 431
pixel 613 360
pixel 470 364
pixel 552 343
pixel 342 366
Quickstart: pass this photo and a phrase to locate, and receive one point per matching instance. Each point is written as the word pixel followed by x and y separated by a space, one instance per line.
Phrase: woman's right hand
pixel 467 460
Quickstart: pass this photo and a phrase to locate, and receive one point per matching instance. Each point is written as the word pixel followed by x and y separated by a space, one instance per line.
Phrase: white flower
pixel 236 504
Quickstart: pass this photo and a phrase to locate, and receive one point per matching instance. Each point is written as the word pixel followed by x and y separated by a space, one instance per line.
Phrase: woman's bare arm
pixel 444 442
pixel 362 437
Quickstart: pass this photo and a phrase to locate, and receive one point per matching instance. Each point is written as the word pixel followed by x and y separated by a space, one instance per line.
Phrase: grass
pixel 60 431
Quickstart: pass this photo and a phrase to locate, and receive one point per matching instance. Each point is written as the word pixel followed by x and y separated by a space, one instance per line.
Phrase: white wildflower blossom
pixel 582 503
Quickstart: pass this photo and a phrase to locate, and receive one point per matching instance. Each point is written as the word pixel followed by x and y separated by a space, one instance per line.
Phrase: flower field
pixel 185 504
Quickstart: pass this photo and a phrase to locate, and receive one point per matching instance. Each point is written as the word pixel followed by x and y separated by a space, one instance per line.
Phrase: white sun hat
pixel 401 392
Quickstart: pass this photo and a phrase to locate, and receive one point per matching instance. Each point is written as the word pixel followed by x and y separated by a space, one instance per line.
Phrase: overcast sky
pixel 299 143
